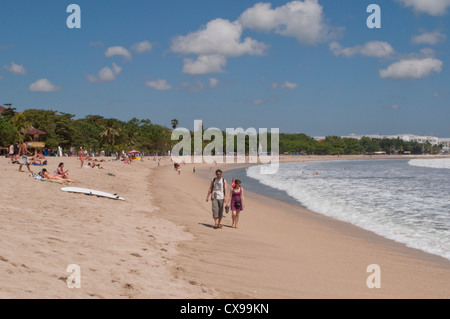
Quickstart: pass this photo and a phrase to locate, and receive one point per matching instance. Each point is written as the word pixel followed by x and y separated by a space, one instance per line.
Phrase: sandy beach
pixel 160 243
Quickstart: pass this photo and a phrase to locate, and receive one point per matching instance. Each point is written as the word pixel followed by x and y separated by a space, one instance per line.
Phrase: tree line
pixel 96 133
pixel 93 132
pixel 335 145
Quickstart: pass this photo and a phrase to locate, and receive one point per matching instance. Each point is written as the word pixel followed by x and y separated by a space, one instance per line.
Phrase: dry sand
pixel 159 242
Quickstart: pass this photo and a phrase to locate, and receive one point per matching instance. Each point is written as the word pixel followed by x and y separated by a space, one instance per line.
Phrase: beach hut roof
pixel 34 131
pixel 2 109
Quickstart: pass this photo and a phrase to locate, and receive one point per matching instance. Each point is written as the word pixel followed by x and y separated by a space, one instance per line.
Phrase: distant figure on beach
pixel 37 161
pixel 81 154
pixel 16 151
pixel 193 170
pixel 128 160
pixel 11 153
pixel 236 202
pixel 24 153
pixel 59 172
pixel 218 192
pixel 179 169
pixel 93 165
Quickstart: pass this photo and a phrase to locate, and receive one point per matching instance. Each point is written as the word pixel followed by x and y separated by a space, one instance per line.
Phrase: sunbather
pixel 47 175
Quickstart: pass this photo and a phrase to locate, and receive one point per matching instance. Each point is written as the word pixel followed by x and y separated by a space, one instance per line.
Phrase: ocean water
pixel 404 200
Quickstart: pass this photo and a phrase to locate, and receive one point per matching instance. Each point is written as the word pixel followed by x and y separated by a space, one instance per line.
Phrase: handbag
pixel 237 204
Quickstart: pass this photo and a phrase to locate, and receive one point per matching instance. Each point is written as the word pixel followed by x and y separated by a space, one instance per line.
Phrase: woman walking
pixel 236 201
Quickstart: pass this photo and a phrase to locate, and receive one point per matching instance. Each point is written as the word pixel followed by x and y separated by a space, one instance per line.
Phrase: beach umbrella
pixel 133 152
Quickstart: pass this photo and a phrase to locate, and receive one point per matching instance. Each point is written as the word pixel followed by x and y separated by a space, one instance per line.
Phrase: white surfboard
pixel 91 192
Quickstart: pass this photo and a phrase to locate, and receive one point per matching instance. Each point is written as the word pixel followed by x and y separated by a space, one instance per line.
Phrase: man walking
pixel 218 192
pixel 24 152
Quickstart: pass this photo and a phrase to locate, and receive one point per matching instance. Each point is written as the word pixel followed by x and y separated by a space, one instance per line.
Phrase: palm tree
pixel 110 134
pixel 174 123
pixel 21 124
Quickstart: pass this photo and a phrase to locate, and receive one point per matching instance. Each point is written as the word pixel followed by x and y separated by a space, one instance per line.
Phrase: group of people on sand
pixel 221 199
pixel 59 174
pixel 84 155
pixel 38 159
pixel 23 153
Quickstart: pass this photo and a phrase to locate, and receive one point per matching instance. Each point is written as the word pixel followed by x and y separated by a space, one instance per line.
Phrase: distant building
pixel 445 144
pixel 2 109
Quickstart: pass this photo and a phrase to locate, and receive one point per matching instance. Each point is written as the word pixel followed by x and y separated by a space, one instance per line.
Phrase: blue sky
pixel 309 66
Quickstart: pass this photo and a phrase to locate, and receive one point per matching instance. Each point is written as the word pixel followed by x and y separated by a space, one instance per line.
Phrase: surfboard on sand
pixel 91 192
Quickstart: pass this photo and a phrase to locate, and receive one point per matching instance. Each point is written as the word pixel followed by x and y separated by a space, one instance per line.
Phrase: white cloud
pixel 286 85
pixel 213 44
pixel 412 69
pixel 199 86
pixel 430 38
pixel 160 85
pixel 289 85
pixel 43 85
pixel 16 68
pixel 262 101
pixel 374 49
pixel 106 74
pixel 258 101
pixel 205 64
pixel 432 7
pixel 213 83
pixel 118 50
pixel 141 47
pixel 219 37
pixel 303 20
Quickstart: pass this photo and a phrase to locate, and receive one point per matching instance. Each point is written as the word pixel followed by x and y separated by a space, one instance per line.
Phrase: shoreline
pixel 263 192
pixel 340 224
pixel 394 255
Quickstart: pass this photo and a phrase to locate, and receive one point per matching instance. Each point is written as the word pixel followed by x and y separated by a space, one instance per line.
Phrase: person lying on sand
pixel 47 175
pixel 37 161
pixel 93 165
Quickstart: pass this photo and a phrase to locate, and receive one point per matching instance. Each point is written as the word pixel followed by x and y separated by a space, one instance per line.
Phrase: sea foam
pixel 396 200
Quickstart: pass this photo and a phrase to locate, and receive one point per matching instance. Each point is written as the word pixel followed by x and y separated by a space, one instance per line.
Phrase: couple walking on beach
pixel 218 192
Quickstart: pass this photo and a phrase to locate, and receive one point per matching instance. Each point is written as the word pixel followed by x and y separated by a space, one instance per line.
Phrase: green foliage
pixel 8 133
pixel 297 144
pixel 96 133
